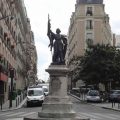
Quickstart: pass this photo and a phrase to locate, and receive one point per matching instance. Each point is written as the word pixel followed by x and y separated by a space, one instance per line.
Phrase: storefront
pixel 3 86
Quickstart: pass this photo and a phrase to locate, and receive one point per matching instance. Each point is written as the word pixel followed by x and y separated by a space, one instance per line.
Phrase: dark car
pixel 114 96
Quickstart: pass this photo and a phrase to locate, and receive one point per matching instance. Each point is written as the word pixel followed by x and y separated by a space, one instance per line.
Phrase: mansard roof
pixel 89 1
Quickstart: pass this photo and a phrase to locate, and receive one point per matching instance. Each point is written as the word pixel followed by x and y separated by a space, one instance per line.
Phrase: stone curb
pixel 111 108
pixel 83 101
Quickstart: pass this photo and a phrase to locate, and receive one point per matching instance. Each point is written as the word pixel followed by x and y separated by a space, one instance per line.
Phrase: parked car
pixel 93 96
pixel 75 91
pixel 84 89
pixel 114 96
pixel 35 96
pixel 46 90
pixel 34 86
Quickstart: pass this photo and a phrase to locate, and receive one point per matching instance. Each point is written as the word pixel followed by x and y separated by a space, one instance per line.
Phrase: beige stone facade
pixel 16 40
pixel 117 44
pixel 116 41
pixel 89 24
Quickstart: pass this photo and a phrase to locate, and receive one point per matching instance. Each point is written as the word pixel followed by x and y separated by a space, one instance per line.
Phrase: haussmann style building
pixel 17 48
pixel 89 24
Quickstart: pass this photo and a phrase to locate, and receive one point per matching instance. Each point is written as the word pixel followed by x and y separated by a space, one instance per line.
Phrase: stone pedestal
pixel 57 106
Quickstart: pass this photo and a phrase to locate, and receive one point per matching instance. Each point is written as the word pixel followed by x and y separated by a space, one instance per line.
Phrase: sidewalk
pixel 105 105
pixel 16 104
pixel 112 106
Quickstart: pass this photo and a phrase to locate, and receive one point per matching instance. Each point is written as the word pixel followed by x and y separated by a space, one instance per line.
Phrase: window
pixel 89 35
pixel 89 24
pixel 7 19
pixel 5 35
pixel 1 31
pixel 89 38
pixel 89 11
pixel 89 1
pixel 89 41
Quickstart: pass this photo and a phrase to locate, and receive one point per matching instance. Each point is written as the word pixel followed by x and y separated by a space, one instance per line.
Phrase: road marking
pixel 6 113
pixel 15 119
pixel 27 114
pixel 114 115
pixel 15 114
pixel 104 116
pixel 90 115
pixel 82 116
pixel 99 116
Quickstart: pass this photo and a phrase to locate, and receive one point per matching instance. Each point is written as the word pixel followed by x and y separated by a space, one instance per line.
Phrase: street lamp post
pixel 11 90
pixel 0 93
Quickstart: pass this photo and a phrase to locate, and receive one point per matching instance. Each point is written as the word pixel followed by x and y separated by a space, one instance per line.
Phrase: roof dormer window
pixel 89 11
pixel 89 1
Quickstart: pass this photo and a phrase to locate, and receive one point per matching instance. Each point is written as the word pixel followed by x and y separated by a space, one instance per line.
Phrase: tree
pixel 100 63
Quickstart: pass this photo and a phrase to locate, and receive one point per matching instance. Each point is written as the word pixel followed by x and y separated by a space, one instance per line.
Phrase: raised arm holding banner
pixel 59 44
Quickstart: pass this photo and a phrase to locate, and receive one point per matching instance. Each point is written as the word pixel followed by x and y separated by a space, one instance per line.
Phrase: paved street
pixel 20 113
pixel 82 109
pixel 95 112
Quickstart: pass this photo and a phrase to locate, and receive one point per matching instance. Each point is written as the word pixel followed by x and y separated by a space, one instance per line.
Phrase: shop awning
pixel 3 77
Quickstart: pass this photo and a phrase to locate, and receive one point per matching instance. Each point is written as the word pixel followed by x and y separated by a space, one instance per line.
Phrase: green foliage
pixel 19 91
pixel 100 63
pixel 14 95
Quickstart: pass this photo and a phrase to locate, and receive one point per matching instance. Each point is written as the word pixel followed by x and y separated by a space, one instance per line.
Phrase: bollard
pixel 23 95
pixel 16 102
pixel 20 98
pixel 118 105
pixel 1 102
pixel 113 103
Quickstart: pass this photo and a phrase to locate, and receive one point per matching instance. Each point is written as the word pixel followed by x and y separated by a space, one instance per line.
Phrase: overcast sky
pixel 60 12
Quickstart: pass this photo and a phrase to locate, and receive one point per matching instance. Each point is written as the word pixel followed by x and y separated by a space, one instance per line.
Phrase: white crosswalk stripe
pixel 100 116
pixel 92 116
pixel 15 119
pixel 89 115
pixel 113 115
pixel 23 115
pixel 6 113
pixel 15 114
pixel 104 116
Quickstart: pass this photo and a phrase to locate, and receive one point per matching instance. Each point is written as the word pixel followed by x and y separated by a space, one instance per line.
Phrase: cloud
pixel 112 8
pixel 44 58
pixel 116 27
pixel 60 12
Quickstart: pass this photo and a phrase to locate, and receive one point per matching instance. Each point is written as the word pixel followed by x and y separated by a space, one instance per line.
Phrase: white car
pixel 93 96
pixel 35 95
pixel 46 90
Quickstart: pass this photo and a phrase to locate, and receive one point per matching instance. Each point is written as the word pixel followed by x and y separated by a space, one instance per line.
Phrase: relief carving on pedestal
pixel 55 84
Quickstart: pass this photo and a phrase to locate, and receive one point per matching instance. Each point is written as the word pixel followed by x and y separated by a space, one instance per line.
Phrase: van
pixel 35 96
